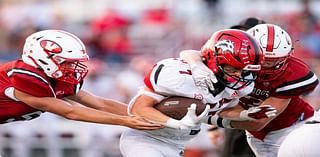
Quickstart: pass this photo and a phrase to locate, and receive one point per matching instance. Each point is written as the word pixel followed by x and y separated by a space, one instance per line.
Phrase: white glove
pixel 254 113
pixel 190 120
pixel 203 76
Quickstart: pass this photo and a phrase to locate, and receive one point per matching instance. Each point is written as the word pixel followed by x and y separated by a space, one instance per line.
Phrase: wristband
pixel 172 123
pixel 219 121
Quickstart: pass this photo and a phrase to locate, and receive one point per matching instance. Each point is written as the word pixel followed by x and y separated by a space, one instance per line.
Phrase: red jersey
pixel 30 80
pixel 296 80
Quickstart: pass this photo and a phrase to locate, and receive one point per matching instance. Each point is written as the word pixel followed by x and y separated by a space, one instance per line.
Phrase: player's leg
pixel 137 144
pixel 270 145
pixel 302 142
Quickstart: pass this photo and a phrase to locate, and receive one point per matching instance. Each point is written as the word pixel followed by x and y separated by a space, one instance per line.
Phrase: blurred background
pixel 124 38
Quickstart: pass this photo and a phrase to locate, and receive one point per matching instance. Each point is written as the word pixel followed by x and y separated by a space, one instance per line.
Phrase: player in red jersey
pixel 280 83
pixel 49 77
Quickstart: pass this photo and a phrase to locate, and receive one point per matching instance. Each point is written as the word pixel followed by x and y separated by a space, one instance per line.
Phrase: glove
pixel 254 113
pixel 203 76
pixel 190 120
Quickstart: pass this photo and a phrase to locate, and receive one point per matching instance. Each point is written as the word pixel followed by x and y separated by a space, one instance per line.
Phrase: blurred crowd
pixel 124 39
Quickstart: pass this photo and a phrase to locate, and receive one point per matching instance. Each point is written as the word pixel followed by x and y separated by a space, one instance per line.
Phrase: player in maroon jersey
pixel 51 71
pixel 280 83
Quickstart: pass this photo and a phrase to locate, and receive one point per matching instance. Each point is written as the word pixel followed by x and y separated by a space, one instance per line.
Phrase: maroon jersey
pixel 296 80
pixel 30 80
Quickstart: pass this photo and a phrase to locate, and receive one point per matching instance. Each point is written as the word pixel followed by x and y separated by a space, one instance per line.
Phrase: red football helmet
pixel 277 48
pixel 237 49
pixel 61 55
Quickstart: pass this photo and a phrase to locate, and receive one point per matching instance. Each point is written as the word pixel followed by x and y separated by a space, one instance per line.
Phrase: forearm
pixel 79 113
pixel 69 111
pixel 231 113
pixel 250 125
pixel 143 106
pixel 152 114
pixel 255 125
pixel 115 107
pixel 100 103
pixel 86 114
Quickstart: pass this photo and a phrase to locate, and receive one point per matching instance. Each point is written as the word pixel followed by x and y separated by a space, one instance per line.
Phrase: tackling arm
pixel 108 105
pixel 82 113
pixel 255 125
pixel 65 109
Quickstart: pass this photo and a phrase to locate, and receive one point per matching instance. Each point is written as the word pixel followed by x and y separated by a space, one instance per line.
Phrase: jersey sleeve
pixel 302 85
pixel 30 83
pixel 171 77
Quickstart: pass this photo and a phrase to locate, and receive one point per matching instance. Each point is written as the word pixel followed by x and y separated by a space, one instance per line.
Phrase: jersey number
pixel 27 116
pixel 188 72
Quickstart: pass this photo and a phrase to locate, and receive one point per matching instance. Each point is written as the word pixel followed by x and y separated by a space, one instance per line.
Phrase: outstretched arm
pixel 81 113
pixel 279 104
pixel 253 120
pixel 103 104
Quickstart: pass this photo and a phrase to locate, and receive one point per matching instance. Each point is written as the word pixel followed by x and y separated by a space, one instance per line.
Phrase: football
pixel 177 107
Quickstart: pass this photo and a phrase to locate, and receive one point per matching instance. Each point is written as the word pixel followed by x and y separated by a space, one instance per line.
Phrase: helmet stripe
pixel 270 42
pixel 76 38
pixel 256 49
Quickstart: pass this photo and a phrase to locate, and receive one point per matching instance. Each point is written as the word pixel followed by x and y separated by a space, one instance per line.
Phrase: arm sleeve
pixel 298 86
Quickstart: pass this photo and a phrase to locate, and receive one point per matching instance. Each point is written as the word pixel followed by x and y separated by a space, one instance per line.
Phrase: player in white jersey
pixel 237 54
pixel 303 141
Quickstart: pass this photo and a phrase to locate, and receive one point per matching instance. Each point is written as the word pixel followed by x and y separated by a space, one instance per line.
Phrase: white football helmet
pixel 277 48
pixel 61 55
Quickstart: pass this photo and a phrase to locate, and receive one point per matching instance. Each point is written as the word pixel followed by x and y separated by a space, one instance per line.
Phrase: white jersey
pixel 173 77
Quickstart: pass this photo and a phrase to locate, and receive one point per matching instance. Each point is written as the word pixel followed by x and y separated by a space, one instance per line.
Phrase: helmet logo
pixel 50 46
pixel 225 46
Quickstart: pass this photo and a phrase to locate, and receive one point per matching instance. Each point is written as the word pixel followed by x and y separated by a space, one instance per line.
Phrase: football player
pixel 303 141
pixel 49 77
pixel 280 83
pixel 236 57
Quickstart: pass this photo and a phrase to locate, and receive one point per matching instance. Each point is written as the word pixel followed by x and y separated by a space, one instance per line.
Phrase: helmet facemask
pixel 232 81
pixel 71 71
pixel 272 68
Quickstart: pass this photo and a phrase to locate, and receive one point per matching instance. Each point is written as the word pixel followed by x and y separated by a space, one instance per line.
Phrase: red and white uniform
pixel 30 80
pixel 295 81
pixel 173 77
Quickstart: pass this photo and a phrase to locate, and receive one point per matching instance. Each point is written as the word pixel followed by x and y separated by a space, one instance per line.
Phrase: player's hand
pixel 203 76
pixel 140 123
pixel 191 120
pixel 254 113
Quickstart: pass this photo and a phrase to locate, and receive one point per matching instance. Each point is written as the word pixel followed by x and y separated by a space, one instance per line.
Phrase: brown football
pixel 177 107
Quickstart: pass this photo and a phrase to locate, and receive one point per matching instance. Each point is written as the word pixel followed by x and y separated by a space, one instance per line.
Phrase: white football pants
pixel 136 144
pixel 270 145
